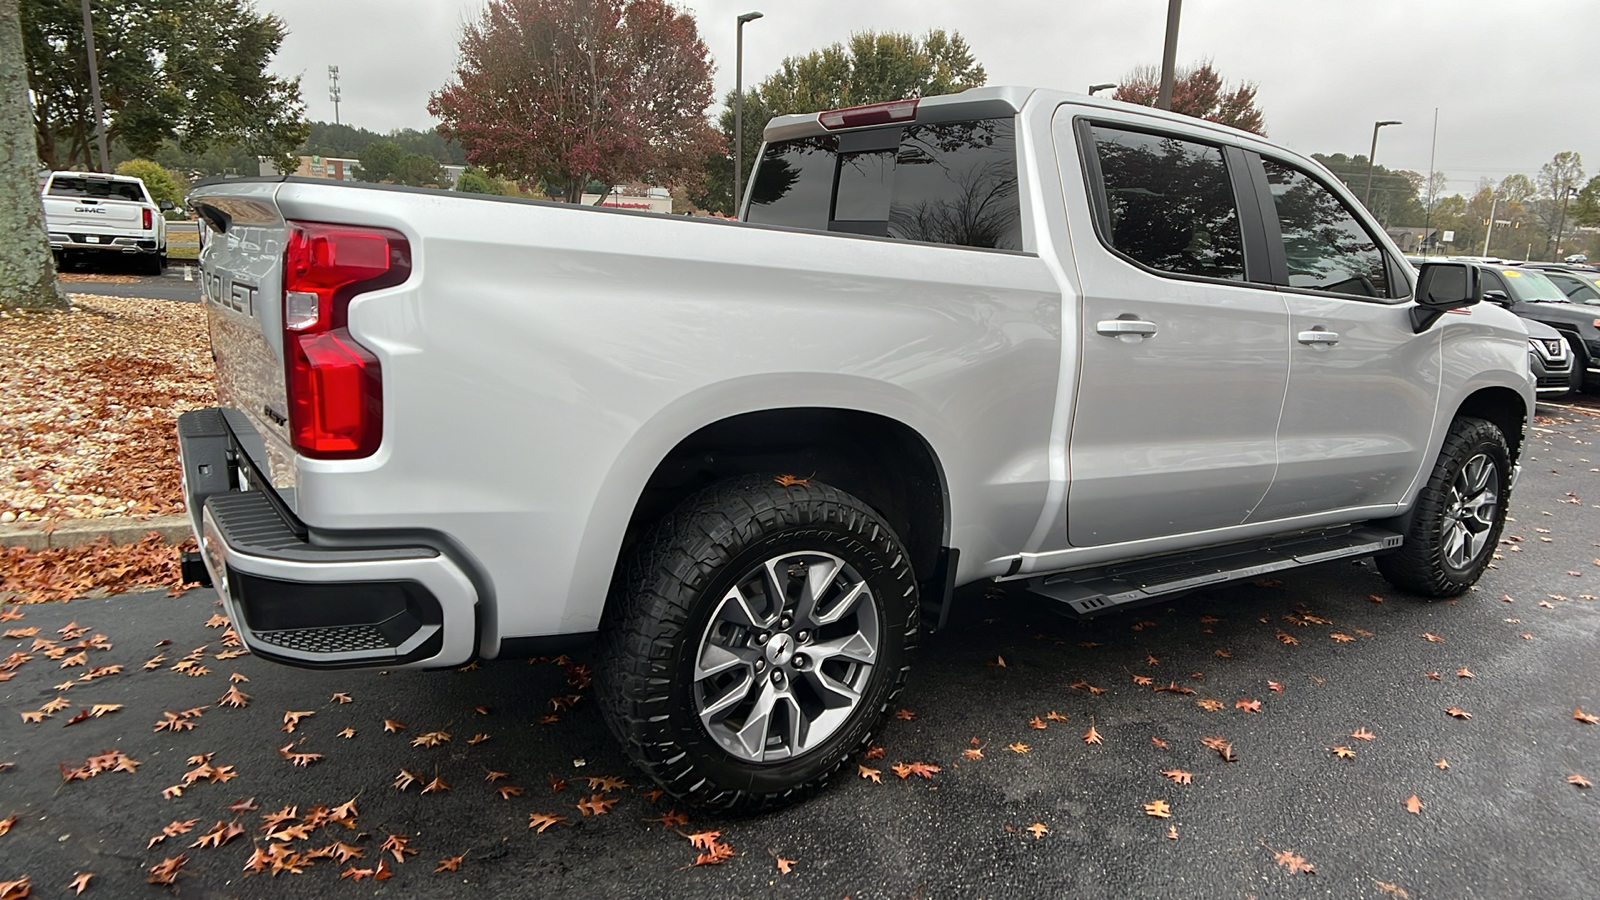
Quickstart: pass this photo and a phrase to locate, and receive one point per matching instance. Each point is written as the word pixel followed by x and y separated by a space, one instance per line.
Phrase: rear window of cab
pixel 952 183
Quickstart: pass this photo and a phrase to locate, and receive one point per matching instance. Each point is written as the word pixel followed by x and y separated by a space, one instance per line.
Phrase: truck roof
pixel 102 176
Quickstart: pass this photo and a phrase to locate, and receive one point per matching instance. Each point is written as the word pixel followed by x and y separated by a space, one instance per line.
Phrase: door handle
pixel 1317 336
pixel 1134 328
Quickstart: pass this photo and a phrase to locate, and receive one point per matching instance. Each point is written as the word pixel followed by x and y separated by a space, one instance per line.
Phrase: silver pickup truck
pixel 1109 352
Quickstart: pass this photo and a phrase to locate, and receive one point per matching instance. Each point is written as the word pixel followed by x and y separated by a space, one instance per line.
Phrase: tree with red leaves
pixel 569 91
pixel 1197 92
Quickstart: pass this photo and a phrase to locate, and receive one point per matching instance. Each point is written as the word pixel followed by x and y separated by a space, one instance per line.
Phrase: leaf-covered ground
pixel 1314 735
pixel 88 405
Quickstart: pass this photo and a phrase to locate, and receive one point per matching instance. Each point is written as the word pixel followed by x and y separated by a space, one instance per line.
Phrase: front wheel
pixel 754 640
pixel 1458 516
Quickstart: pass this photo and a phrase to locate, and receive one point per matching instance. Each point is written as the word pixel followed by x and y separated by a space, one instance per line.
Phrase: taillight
pixel 335 386
pixel 872 114
pixel 149 220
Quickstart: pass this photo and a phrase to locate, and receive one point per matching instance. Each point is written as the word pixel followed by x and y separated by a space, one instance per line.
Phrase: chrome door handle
pixel 1119 327
pixel 1318 336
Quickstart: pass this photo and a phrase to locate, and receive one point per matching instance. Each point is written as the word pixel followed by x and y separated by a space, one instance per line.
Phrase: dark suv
pixel 1532 295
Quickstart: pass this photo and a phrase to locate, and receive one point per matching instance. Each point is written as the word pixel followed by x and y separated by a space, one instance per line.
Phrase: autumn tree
pixel 566 91
pixel 871 68
pixel 1197 91
pixel 1586 209
pixel 1395 199
pixel 27 276
pixel 192 72
pixel 1557 178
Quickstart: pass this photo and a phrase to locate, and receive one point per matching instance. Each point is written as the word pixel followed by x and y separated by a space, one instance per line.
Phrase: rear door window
pixel 949 183
pixel 1325 245
pixel 1168 204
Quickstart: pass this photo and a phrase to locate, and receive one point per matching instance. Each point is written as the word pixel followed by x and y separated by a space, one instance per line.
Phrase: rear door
pixel 1359 412
pixel 1184 348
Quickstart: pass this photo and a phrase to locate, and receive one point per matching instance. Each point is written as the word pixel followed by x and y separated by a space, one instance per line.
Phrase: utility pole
pixel 1427 218
pixel 1561 228
pixel 1169 55
pixel 1372 155
pixel 333 91
pixel 94 89
pixel 738 113
pixel 1494 198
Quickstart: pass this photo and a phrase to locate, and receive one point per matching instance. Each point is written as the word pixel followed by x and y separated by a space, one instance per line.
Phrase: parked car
pixel 96 215
pixel 1579 286
pixel 1531 294
pixel 1113 353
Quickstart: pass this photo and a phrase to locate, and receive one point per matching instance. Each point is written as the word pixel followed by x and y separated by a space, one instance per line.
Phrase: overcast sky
pixel 1513 83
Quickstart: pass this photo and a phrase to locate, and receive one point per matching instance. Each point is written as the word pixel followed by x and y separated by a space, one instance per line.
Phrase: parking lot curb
pixel 77 532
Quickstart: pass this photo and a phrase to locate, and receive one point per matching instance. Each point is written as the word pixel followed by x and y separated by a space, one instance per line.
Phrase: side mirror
pixel 167 205
pixel 1442 287
pixel 1498 297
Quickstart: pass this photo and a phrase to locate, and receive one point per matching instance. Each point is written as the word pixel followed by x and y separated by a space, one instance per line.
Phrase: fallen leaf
pixel 1159 743
pixel 1341 637
pixel 1159 809
pixel 1285 637
pixel 347 733
pixel 1222 746
pixel 1362 734
pixel 1143 680
pixel 1018 747
pixel 596 805
pixel 166 871
pixel 785 866
pixel 998 662
pixel 1038 830
pixel 1343 752
pixel 6 823
pixel 1413 805
pixel 1458 713
pixel 905 715
pixel 450 863
pixel 1056 717
pixel 404 780
pixel 399 846
pixel 390 726
pixel 1295 864
pixel 1432 638
pixel 1209 704
pixel 1248 705
pixel 235 698
pixel 873 775
pixel 1392 890
pixel 1584 717
pixel 1464 672
pixel 437 785
pixel 291 719
pixel 1442 764
pixel 1179 776
pixel 80 883
pixel 542 821
pixel 1579 781
pixel 340 697
pixel 1275 687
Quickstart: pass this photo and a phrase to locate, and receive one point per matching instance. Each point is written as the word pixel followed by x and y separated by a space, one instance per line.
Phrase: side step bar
pixel 1082 593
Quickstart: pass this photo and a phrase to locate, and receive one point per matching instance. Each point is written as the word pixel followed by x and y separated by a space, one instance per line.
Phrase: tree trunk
pixel 27 273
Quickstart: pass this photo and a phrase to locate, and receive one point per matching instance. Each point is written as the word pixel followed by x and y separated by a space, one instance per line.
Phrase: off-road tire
pixel 1419 566
pixel 663 597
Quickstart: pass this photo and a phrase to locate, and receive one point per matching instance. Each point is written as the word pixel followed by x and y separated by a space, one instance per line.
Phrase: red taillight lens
pixel 149 220
pixel 335 385
pixel 871 114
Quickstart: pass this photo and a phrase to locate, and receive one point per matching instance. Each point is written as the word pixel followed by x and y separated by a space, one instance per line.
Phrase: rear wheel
pixel 755 640
pixel 1458 516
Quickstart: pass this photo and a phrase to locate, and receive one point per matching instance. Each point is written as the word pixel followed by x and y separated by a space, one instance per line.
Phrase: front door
pixel 1184 357
pixel 1362 386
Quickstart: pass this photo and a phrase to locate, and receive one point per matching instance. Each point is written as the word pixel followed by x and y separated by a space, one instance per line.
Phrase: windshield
pixel 1531 286
pixel 96 188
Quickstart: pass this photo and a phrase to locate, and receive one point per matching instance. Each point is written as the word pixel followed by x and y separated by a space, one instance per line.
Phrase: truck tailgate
pixel 241 283
pixel 85 214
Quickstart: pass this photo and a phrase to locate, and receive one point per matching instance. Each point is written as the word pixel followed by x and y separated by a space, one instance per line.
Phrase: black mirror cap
pixel 1500 297
pixel 167 204
pixel 1441 287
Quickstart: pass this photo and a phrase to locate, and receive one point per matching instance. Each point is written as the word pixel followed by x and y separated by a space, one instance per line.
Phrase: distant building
pixel 452 176
pixel 334 167
pixel 634 196
pixel 1413 239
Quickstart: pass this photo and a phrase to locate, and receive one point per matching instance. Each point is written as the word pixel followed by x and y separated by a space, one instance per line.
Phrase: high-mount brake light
pixel 334 385
pixel 871 114
pixel 149 220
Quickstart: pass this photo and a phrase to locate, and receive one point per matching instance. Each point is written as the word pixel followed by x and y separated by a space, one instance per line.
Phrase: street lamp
pixel 1567 195
pixel 738 113
pixel 1366 198
pixel 1100 87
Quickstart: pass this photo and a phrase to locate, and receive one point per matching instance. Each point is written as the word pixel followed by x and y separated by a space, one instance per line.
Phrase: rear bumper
pixel 295 599
pixel 102 243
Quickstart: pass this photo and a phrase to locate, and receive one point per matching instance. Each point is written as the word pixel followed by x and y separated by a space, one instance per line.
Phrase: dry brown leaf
pixel 1343 752
pixel 1038 830
pixel 1584 717
pixel 541 821
pixel 873 775
pixel 1579 781
pixel 451 863
pixel 1362 734
pixel 80 882
pixel 1413 805
pixel 1294 863
pixel 166 871
pixel 1159 809
pixel 1248 705
pixel 1458 713
pixel 1179 776
pixel 291 719
pixel 1018 747
pixel 596 805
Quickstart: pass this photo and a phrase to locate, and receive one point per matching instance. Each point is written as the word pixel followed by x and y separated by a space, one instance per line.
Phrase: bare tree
pixel 27 273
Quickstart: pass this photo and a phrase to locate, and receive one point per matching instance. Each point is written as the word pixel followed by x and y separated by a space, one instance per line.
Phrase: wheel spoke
pixel 716 659
pixel 752 736
pixel 833 693
pixel 844 606
pixel 1455 543
pixel 714 709
pixel 736 609
pixel 854 648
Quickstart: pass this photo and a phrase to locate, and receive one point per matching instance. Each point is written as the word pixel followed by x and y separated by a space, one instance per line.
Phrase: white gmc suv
pixel 1115 353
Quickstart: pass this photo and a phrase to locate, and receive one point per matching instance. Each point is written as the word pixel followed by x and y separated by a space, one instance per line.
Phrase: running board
pixel 1089 592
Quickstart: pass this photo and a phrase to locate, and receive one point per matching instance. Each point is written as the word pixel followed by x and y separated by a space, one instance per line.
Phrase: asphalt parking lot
pixel 181 281
pixel 1330 654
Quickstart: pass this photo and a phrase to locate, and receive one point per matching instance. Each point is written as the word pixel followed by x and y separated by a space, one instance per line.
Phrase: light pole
pixel 1561 228
pixel 94 89
pixel 1100 87
pixel 1169 55
pixel 1494 200
pixel 1366 198
pixel 738 113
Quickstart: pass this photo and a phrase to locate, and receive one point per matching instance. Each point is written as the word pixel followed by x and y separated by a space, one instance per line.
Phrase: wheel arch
pixel 883 461
pixel 1504 407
